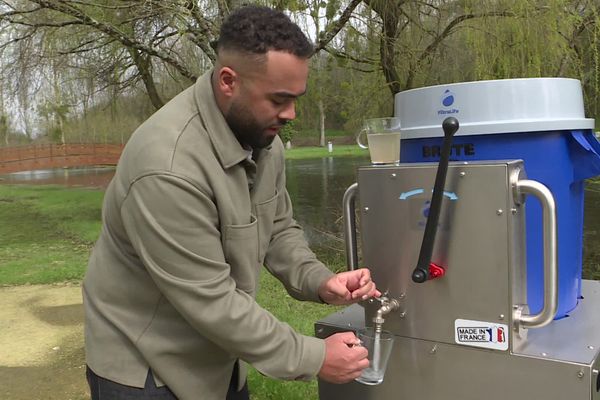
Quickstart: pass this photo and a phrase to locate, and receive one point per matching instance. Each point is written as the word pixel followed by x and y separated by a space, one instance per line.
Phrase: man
pixel 197 205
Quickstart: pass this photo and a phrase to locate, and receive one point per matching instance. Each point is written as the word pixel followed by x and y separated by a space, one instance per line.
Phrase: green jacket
pixel 188 222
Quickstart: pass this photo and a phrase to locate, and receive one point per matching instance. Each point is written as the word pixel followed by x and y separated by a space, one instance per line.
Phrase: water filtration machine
pixel 463 319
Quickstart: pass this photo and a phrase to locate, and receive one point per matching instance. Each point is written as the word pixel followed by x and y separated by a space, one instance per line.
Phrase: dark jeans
pixel 103 389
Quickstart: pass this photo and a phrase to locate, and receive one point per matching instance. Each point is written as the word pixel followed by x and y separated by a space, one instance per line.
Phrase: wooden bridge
pixel 47 156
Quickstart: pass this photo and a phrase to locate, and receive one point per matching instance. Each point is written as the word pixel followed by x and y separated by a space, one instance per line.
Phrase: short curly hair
pixel 257 30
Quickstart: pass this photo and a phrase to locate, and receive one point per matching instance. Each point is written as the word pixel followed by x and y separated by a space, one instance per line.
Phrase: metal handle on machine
pixel 421 272
pixel 350 226
pixel 545 197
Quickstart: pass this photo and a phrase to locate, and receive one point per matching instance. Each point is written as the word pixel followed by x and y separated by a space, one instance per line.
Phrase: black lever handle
pixel 421 272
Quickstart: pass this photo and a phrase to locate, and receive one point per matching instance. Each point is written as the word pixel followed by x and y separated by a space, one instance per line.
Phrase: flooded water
pixel 316 187
pixel 84 177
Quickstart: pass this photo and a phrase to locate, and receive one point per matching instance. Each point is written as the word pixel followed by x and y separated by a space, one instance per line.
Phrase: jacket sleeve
pixel 174 229
pixel 288 257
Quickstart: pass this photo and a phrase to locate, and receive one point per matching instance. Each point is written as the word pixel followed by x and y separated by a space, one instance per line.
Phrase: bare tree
pixel 108 49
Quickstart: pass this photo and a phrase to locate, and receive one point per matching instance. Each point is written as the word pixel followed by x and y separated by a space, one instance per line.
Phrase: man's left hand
pixel 348 287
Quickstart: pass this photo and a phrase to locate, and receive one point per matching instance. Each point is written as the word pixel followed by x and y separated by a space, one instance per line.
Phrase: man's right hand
pixel 344 358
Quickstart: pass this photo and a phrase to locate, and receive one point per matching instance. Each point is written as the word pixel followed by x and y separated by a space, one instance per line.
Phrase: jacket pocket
pixel 240 246
pixel 265 212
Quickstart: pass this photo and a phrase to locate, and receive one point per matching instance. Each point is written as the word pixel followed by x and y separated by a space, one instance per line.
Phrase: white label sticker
pixel 481 334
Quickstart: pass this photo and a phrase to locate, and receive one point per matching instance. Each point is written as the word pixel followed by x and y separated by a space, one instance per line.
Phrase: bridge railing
pixel 46 156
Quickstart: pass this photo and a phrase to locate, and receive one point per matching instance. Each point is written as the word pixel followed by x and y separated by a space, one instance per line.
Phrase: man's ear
pixel 227 81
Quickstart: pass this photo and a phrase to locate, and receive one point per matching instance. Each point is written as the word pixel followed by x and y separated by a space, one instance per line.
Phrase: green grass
pixel 319 152
pixel 328 133
pixel 301 316
pixel 46 233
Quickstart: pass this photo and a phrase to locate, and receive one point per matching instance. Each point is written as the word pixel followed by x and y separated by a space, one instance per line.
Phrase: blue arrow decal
pixel 406 195
pixel 451 195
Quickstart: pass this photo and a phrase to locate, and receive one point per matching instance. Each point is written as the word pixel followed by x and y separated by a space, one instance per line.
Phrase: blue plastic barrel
pixel 560 158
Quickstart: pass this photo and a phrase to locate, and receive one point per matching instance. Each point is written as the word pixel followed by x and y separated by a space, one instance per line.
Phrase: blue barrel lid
pixel 492 107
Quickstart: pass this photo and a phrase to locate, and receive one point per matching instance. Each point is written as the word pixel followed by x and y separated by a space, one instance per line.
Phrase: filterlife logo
pixel 447 101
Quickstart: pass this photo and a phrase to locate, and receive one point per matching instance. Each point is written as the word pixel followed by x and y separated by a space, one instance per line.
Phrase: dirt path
pixel 41 343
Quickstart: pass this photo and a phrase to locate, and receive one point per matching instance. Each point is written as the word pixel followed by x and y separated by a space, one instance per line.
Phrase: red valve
pixel 435 271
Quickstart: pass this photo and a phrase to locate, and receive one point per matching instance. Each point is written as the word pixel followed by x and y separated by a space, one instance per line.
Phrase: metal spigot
pixel 387 306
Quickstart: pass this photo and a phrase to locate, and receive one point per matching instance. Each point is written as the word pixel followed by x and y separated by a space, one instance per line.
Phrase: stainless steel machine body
pixel 466 334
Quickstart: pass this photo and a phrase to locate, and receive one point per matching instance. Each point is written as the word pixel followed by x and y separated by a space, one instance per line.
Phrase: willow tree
pixel 437 41
pixel 411 43
pixel 149 31
pixel 127 44
pixel 560 39
pixel 415 35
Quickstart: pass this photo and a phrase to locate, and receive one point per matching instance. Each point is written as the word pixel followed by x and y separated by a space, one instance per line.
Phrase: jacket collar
pixel 227 148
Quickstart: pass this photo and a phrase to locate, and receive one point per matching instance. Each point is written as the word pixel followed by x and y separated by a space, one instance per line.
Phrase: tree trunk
pixel 321 123
pixel 4 128
pixel 388 53
pixel 144 66
pixel 3 120
pixel 62 130
pixel 389 12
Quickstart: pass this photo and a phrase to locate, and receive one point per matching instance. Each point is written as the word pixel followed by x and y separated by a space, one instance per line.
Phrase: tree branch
pixel 589 19
pixel 115 33
pixel 81 48
pixel 333 28
pixel 17 39
pixel 19 12
pixel 343 54
pixel 448 30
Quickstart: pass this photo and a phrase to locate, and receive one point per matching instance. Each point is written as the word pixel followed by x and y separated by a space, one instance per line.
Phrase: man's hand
pixel 344 359
pixel 348 287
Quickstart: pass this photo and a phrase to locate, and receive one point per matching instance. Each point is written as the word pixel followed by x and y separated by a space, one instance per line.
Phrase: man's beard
pixel 246 128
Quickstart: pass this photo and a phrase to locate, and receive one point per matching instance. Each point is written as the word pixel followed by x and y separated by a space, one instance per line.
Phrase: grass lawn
pixel 320 152
pixel 47 232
